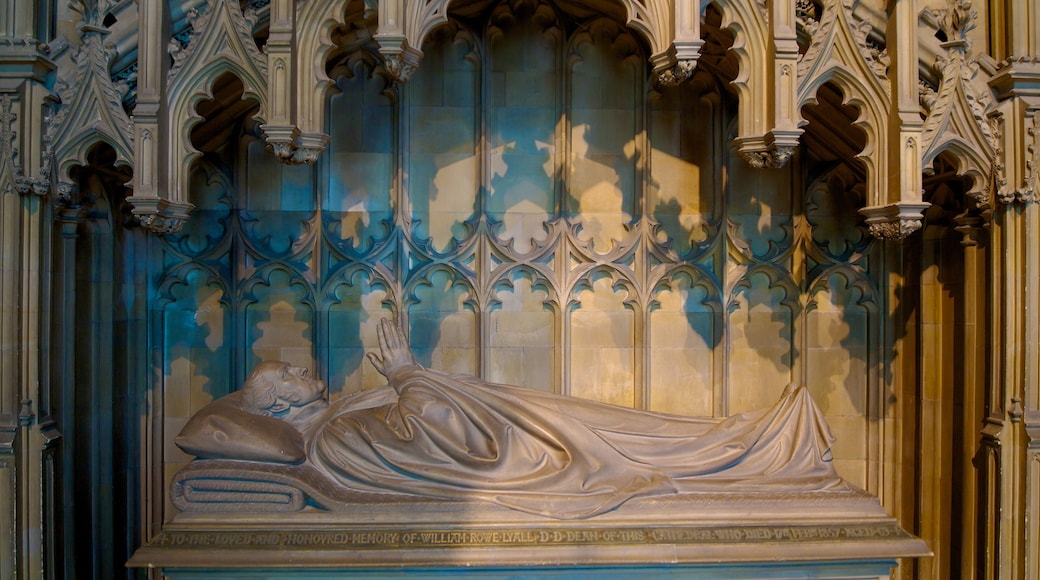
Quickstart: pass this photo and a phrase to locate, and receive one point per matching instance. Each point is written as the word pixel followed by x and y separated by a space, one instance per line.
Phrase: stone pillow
pixel 223 430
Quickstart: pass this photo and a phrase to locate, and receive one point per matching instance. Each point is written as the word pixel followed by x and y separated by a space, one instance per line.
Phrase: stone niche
pixel 536 211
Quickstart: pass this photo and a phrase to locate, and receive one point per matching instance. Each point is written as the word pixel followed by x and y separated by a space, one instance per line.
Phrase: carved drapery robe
pixel 443 436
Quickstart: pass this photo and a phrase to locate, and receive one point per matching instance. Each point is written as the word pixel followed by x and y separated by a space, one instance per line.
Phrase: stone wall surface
pixel 674 206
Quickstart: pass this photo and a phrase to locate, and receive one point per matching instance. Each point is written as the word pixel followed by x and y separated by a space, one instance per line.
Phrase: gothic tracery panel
pixel 536 212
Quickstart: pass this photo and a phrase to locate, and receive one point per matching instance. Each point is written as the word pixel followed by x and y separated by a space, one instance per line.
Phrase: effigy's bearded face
pixel 295 386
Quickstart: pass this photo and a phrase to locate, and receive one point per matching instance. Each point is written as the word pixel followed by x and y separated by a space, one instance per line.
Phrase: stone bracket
pixel 772 150
pixel 159 215
pixel 895 221
pixel 1032 425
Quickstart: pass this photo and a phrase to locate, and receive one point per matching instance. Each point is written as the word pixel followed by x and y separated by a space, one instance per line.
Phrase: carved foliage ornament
pixel 774 157
pixel 895 221
pixel 678 74
pixel 1027 192
pixel 894 229
pixel 12 180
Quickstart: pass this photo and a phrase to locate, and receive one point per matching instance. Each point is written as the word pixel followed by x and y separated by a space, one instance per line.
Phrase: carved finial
pixel 956 22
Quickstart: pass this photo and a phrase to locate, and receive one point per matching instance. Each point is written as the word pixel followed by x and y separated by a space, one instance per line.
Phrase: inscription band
pixel 389 539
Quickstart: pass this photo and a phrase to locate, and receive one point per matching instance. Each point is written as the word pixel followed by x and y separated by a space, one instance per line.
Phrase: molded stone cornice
pixel 1017 77
pixel 24 58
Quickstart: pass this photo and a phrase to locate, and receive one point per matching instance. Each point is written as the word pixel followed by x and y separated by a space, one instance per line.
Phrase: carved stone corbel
pixel 766 153
pixel 676 74
pixel 309 146
pixel 161 216
pixel 895 221
pixel 401 61
pixel 675 64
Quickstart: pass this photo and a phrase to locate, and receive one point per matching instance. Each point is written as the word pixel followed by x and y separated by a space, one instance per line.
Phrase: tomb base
pixel 840 534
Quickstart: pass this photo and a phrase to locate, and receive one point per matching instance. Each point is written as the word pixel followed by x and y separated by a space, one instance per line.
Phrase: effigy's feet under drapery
pixel 449 437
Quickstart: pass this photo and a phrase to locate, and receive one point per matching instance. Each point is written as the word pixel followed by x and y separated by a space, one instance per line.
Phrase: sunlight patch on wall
pixel 522 336
pixel 761 343
pixel 443 330
pixel 682 351
pixel 602 334
pixel 357 304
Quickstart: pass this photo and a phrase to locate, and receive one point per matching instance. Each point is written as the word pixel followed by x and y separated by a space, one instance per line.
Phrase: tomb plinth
pixel 830 534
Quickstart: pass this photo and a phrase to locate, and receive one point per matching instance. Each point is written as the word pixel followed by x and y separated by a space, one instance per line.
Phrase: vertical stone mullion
pixel 69 220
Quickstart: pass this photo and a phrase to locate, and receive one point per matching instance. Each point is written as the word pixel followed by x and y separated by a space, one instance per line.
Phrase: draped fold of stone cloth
pixel 443 436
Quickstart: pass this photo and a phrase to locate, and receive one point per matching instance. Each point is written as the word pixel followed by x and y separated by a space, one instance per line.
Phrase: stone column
pixel 23 234
pixel 1013 422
